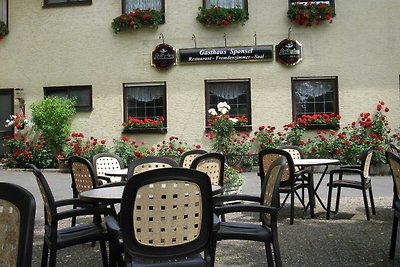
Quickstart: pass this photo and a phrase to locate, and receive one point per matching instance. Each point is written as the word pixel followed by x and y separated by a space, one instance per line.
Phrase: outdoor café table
pixel 312 163
pixel 123 173
pixel 113 194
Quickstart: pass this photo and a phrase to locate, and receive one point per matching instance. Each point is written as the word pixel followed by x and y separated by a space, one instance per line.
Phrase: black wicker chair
pixel 171 223
pixel 188 157
pixel 55 238
pixel 149 163
pixel 17 219
pixel 266 205
pixel 363 183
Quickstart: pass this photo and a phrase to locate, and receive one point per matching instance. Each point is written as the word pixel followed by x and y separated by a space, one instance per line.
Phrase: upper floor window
pixel 131 5
pixel 313 95
pixel 4 11
pixel 226 3
pixel 145 101
pixel 55 3
pixel 81 93
pixel 235 92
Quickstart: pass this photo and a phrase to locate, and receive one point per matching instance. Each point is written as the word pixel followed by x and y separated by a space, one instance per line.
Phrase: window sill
pixel 146 130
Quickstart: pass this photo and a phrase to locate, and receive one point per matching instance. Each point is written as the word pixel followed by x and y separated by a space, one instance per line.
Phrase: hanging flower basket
pixel 219 16
pixel 3 29
pixel 137 19
pixel 310 13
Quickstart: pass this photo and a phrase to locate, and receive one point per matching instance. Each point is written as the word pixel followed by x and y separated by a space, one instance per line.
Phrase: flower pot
pixel 146 130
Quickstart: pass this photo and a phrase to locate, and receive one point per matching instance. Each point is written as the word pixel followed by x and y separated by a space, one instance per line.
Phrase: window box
pixel 322 126
pixel 146 130
pixel 220 16
pixel 138 18
pixel 308 13
pixel 243 128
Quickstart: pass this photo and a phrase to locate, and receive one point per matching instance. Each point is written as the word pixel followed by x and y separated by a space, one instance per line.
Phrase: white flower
pixel 223 110
pixel 223 105
pixel 212 112
pixel 234 120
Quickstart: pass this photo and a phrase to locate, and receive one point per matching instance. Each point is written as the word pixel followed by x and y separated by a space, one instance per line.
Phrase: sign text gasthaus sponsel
pixel 226 54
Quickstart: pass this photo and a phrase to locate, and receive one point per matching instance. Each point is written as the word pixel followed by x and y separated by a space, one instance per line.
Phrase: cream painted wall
pixel 76 45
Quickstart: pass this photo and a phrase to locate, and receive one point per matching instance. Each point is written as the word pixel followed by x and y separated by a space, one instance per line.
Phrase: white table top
pixel 121 172
pixel 314 162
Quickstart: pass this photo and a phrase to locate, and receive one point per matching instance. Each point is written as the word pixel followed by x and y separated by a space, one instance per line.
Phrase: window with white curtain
pixel 4 11
pixel 226 3
pixel 145 100
pixel 312 95
pixel 58 3
pixel 131 5
pixel 235 92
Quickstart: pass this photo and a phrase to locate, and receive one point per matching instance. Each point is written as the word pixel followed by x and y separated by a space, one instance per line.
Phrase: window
pixel 145 100
pixel 55 3
pixel 130 5
pixel 82 94
pixel 4 11
pixel 226 3
pixel 314 95
pixel 235 92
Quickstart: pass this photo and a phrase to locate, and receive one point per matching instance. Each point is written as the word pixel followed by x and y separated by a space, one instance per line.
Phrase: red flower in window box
pixel 137 19
pixel 310 13
pixel 135 123
pixel 221 16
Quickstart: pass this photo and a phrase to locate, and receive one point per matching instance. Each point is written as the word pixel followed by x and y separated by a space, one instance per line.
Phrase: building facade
pixel 69 48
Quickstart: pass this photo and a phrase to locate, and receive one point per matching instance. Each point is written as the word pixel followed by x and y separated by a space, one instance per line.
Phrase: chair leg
pixel 311 199
pixel 103 250
pixel 339 190
pixel 366 204
pixel 394 237
pixel 45 254
pixel 53 256
pixel 277 253
pixel 291 206
pixel 371 197
pixel 328 208
pixel 73 222
pixel 268 251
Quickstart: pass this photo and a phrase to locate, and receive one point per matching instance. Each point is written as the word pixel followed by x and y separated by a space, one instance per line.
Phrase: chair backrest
pixel 188 157
pixel 82 174
pixel 213 165
pixel 149 163
pixel 366 158
pixel 267 156
pixel 394 162
pixel 48 199
pixel 166 213
pixel 294 151
pixel 17 219
pixel 104 162
pixel 270 186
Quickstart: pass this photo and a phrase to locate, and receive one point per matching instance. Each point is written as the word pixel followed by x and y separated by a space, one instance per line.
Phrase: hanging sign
pixel 163 57
pixel 289 52
pixel 226 54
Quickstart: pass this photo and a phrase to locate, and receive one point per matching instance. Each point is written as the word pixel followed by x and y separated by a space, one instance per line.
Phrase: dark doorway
pixel 6 109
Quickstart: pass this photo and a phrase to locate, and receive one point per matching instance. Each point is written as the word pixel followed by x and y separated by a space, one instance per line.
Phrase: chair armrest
pixel 82 212
pixel 346 170
pixel 104 179
pixel 123 183
pixel 220 199
pixel 70 201
pixel 113 227
pixel 245 208
pixel 350 167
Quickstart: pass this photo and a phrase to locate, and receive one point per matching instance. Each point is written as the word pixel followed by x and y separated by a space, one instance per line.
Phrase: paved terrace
pixel 348 239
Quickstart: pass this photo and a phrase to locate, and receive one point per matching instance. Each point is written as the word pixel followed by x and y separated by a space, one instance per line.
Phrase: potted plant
pixel 310 13
pixel 19 121
pixel 320 121
pixel 217 16
pixel 137 19
pixel 3 29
